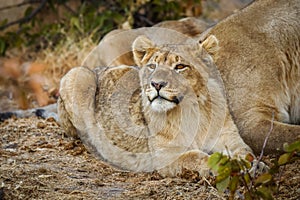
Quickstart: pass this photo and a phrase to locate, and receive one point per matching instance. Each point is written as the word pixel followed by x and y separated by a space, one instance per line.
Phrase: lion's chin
pixel 162 105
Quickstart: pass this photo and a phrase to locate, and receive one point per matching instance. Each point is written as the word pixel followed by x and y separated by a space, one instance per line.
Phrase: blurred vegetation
pixel 235 175
pixel 87 17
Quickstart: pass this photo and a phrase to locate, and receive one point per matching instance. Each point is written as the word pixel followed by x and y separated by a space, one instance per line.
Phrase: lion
pixel 258 60
pixel 167 113
pixel 115 49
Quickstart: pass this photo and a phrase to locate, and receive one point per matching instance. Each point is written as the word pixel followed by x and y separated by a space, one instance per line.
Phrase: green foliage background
pixel 91 17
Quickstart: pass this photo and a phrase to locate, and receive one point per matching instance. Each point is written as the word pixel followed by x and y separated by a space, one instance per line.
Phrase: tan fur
pixel 112 113
pixel 259 60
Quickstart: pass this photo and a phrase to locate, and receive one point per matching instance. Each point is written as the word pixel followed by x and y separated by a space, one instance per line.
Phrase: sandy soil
pixel 37 161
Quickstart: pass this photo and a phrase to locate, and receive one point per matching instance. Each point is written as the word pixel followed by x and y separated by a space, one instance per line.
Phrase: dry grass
pixel 70 53
pixel 34 78
pixel 38 162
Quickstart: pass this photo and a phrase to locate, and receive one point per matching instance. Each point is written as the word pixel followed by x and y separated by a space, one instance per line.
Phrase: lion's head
pixel 173 74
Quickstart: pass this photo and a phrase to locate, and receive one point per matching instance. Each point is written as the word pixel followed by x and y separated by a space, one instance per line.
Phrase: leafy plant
pixel 234 175
pixel 90 17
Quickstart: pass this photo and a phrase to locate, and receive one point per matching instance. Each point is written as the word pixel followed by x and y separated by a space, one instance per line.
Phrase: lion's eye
pixel 151 66
pixel 180 67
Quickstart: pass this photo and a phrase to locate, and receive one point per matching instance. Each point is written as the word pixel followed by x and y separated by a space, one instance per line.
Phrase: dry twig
pixel 20 4
pixel 26 18
pixel 264 146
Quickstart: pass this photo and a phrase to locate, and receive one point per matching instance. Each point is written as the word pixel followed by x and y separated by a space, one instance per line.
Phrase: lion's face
pixel 171 74
pixel 166 80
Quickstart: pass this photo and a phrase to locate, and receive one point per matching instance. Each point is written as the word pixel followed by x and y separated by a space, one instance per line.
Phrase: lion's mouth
pixel 173 99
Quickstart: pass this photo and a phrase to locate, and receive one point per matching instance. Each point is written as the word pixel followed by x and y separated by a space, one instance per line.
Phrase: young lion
pixel 259 62
pixel 168 114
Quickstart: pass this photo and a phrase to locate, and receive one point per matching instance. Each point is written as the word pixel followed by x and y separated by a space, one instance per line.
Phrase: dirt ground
pixel 37 161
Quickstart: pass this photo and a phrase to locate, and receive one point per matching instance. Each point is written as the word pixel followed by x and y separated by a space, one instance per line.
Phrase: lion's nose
pixel 158 85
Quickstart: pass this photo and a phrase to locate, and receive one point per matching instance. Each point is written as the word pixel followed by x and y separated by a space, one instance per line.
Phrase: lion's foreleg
pixel 193 160
pixel 76 106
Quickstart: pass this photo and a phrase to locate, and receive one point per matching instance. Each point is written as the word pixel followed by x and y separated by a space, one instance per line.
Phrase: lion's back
pixel 259 60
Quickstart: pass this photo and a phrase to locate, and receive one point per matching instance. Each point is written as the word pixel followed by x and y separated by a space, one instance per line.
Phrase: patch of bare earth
pixel 38 162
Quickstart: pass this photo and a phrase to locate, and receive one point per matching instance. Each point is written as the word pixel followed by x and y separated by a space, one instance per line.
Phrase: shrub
pixel 234 176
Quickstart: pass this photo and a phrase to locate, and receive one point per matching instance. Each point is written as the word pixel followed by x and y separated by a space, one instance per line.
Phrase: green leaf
pixel 265 193
pixel 233 184
pixel 235 167
pixel 74 22
pixel 246 164
pixel 224 160
pixel 263 179
pixel 224 172
pixel 221 186
pixel 118 18
pixel 248 196
pixel 247 178
pixel 284 158
pixel 213 160
pixel 295 146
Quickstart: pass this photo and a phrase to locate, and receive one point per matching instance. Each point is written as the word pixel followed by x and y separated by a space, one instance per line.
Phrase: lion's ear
pixel 140 47
pixel 210 44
